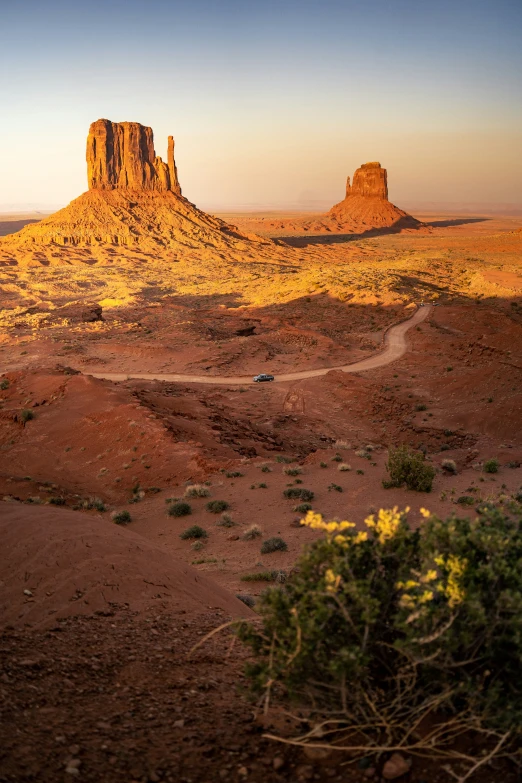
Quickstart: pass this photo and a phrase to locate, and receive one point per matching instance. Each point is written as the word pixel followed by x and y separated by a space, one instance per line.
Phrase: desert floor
pixel 303 304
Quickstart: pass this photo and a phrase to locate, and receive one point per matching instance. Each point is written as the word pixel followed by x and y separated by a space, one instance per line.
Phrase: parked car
pixel 263 377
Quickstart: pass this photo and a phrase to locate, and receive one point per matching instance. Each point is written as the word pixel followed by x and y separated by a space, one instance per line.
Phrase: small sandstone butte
pixel 121 156
pixel 366 204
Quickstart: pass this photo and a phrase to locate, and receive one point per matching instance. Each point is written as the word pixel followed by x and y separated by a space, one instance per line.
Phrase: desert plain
pixel 131 326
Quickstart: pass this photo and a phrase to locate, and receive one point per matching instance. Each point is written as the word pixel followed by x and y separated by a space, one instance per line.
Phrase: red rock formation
pixel 173 172
pixel 370 181
pixel 121 156
pixel 134 199
pixel 366 204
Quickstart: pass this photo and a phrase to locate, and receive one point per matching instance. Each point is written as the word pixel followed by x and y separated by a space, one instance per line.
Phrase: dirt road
pixel 395 346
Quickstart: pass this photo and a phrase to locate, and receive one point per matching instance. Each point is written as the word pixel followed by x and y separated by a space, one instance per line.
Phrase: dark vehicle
pixel 263 377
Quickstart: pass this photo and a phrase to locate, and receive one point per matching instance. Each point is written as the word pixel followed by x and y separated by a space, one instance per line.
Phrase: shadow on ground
pixel 12 226
pixel 409 223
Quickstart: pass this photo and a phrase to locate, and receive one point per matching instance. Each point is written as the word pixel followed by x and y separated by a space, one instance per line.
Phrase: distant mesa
pixel 365 209
pixel 134 199
pixel 366 204
pixel 121 156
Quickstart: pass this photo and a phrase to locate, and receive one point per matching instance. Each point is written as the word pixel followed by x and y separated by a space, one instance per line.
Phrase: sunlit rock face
pixel 370 181
pixel 134 200
pixel 121 156
pixel 366 206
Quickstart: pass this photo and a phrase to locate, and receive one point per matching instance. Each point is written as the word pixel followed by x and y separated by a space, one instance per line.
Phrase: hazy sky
pixel 271 102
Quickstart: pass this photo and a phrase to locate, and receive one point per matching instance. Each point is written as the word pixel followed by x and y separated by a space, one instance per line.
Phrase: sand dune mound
pixel 58 563
pixel 134 199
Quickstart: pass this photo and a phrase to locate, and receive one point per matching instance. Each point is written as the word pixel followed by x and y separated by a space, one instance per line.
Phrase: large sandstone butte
pixel 366 204
pixel 134 199
pixel 121 156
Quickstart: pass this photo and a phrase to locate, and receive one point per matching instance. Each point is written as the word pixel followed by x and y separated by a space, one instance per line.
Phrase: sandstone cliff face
pixel 120 156
pixel 370 181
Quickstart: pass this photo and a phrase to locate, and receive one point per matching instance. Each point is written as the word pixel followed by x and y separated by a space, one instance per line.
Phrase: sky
pixel 273 103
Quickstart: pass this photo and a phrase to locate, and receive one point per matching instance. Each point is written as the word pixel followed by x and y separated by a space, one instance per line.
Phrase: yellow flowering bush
pixel 383 623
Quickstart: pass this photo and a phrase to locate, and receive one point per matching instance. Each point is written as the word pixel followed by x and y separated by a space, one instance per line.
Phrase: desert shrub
pixel 234 474
pixel 378 622
pixel 26 415
pixel 274 544
pixel 265 576
pixel 197 491
pixel 420 407
pixel 217 506
pixel 179 509
pixel 254 531
pixel 342 444
pixel 4 384
pixel 292 471
pixel 323 465
pixel 302 508
pixel 337 458
pixel 343 467
pixel 57 501
pixel 197 545
pixel 89 504
pixel 226 521
pixel 299 493
pixel 444 447
pixel 121 517
pixel 491 466
pixel 466 500
pixel 262 485
pixel 265 469
pixel 334 488
pixel 360 472
pixel 195 531
pixel 409 467
pixel 248 600
pixel 514 463
pixel 449 465
pixel 286 460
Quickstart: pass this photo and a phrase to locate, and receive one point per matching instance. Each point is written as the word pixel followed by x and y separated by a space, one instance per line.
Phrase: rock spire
pixel 121 156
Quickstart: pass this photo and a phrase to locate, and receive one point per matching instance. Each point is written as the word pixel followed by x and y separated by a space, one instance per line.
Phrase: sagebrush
pixel 409 467
pixel 380 630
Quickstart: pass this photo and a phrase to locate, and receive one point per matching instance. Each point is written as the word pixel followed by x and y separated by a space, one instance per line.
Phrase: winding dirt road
pixel 395 346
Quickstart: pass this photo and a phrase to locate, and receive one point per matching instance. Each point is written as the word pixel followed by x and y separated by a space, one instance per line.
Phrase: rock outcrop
pixel 370 181
pixel 366 206
pixel 121 156
pixel 134 200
